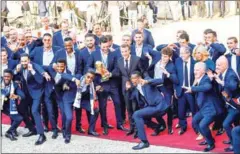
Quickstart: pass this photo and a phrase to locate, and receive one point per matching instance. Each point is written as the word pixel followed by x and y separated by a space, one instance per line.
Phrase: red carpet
pixel 185 141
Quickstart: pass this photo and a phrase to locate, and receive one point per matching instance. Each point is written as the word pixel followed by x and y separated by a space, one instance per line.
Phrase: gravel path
pixel 78 144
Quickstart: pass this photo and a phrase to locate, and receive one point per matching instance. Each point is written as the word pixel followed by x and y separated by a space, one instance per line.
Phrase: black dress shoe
pixel 10 136
pixel 220 132
pixel 64 134
pixel 170 131
pixel 182 131
pixel 42 138
pixel 226 142
pixel 229 149
pixel 130 132
pixel 122 128
pixel 93 133
pixel 67 140
pixel 110 127
pixel 30 133
pixel 209 148
pixel 80 130
pixel 15 133
pixel 46 129
pixel 140 146
pixel 156 132
pixel 105 131
pixel 55 134
pixel 203 143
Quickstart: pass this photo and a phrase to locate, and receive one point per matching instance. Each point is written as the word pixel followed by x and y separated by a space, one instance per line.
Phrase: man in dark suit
pixel 126 65
pixel 163 72
pixel 147 39
pixel 5 62
pixel 85 99
pixel 11 93
pixel 185 73
pixel 182 40
pixel 233 58
pixel 65 85
pixel 143 51
pixel 228 83
pixel 32 80
pixel 202 88
pixel 150 102
pixel 58 37
pixel 74 65
pixel 106 83
pixel 215 48
pixel 43 56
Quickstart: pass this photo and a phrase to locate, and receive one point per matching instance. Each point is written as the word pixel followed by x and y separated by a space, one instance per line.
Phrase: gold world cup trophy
pixel 101 69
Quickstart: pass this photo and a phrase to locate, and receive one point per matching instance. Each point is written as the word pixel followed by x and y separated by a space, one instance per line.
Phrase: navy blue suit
pixel 58 39
pixel 165 85
pixel 236 139
pixel 229 57
pixel 183 97
pixel 231 88
pixel 84 56
pixel 110 87
pixel 12 64
pixel 216 50
pixel 33 89
pixel 147 35
pixel 207 112
pixel 152 104
pixel 3 41
pixel 176 51
pixel 144 60
pixel 16 118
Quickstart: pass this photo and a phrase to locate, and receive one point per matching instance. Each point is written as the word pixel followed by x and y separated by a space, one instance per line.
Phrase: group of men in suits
pixel 140 80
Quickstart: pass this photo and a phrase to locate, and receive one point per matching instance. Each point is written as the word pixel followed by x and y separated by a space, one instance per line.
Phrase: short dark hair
pixel 167 51
pixel 91 71
pixel 4 50
pixel 139 32
pixel 25 55
pixel 62 61
pixel 140 20
pixel 89 35
pixel 47 34
pixel 212 32
pixel 136 73
pixel 109 37
pixel 103 39
pixel 67 39
pixel 125 46
pixel 184 36
pixel 234 39
pixel 182 32
pixel 207 31
pixel 8 71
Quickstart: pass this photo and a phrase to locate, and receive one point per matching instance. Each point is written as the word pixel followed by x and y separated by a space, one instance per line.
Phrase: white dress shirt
pixel 104 59
pixel 189 71
pixel 139 50
pixel 129 59
pixel 158 72
pixel 47 57
pixel 71 62
pixel 139 87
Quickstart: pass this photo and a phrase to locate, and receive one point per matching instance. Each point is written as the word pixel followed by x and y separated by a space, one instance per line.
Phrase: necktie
pixel 126 66
pixel 186 74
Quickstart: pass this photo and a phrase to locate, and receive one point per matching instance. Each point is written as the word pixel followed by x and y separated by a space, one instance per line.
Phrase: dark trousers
pixel 37 116
pixel 236 139
pixel 182 102
pixel 78 114
pixel 141 114
pixel 24 111
pixel 131 108
pixel 227 123
pixel 48 103
pixel 201 123
pixel 103 97
pixel 68 113
pixel 92 119
pixel 15 118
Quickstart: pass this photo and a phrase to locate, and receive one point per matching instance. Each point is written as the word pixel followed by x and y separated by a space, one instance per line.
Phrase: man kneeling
pixel 150 102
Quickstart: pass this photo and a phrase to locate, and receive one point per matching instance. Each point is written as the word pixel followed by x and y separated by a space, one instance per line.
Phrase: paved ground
pixel 79 144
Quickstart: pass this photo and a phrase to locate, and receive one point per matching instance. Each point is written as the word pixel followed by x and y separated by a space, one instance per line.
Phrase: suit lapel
pixel 41 55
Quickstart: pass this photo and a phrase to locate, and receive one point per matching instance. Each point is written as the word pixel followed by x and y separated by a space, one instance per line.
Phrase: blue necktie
pixel 186 74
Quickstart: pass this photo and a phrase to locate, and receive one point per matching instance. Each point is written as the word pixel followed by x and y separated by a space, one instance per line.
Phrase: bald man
pixel 202 88
pixel 228 83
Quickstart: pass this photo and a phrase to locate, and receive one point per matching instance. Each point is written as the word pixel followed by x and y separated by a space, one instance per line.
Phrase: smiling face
pixel 7 77
pixel 138 39
pixel 89 78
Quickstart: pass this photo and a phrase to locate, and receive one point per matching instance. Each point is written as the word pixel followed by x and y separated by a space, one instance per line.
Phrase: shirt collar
pixel 128 58
pixel 139 46
pixel 199 80
pixel 224 73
